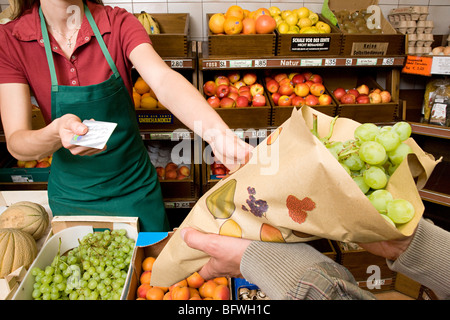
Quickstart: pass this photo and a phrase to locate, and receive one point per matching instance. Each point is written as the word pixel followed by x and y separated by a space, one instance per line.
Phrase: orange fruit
pixel 148 102
pixel 141 86
pixel 136 99
pixel 235 11
pixel 248 26
pixel 145 277
pixel 261 11
pixel 216 23
pixel 265 24
pixel 147 264
pixel 155 293
pixel 207 289
pixel 221 280
pixel 232 25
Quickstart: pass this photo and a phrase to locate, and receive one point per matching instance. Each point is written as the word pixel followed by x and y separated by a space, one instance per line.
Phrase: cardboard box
pixel 389 42
pixel 65 232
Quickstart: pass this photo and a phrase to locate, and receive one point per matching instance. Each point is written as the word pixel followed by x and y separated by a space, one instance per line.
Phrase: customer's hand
pixel 390 249
pixel 225 252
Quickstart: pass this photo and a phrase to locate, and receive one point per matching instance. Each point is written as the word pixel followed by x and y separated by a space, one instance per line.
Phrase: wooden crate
pixel 323 44
pixel 250 117
pixel 325 246
pixel 157 119
pixel 241 45
pixel 359 262
pixel 173 39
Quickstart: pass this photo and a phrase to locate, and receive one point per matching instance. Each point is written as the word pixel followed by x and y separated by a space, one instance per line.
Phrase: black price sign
pixel 310 43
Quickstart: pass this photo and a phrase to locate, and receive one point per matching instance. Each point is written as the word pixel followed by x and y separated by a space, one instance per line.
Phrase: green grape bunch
pixel 94 270
pixel 370 159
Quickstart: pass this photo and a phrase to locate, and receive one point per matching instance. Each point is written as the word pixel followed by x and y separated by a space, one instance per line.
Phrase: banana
pixel 144 21
pixel 153 24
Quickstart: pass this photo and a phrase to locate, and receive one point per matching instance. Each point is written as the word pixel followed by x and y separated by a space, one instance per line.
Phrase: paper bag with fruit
pixel 293 189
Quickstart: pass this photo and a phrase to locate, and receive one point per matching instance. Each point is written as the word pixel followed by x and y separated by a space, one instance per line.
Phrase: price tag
pixel 262 133
pixel 260 63
pixel 348 62
pixel 330 62
pixel 181 135
pixel 176 63
pixel 311 62
pixel 161 136
pixel 441 65
pixel 388 61
pixel 419 65
pixel 366 62
pixel 241 63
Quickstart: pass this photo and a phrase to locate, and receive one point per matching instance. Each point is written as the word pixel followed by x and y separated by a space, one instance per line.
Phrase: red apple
pixel 280 76
pixel 246 94
pixel 325 99
pixel 311 100
pixel 385 96
pixel 348 98
pixel 316 78
pixel 239 84
pixel 42 164
pixel 285 101
pixel 298 101
pixel 258 100
pixel 275 97
pixel 233 95
pixel 301 89
pixel 234 76
pixel 363 99
pixel 244 88
pixel 249 78
pixel 184 170
pixel 286 89
pixel 298 78
pixel 233 89
pixel 317 89
pixel 272 86
pixel 363 89
pixel 209 88
pixel 339 92
pixel 242 102
pixel 285 81
pixel 222 80
pixel 309 83
pixel 354 92
pixel 214 101
pixel 375 97
pixel 376 90
pixel 307 75
pixel 227 103
pixel 256 88
pixel 222 90
pixel 292 75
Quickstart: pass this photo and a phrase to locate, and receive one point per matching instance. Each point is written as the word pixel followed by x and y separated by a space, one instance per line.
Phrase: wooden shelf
pixel 430 130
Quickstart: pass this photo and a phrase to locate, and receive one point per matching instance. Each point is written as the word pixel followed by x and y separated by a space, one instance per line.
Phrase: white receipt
pixel 97 135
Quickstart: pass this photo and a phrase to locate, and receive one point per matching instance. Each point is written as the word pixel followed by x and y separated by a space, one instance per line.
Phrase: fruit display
pixel 17 249
pixel 362 94
pixel 168 167
pixel 144 97
pixel 41 163
pixel 95 270
pixel 193 287
pixel 218 169
pixel 149 23
pixel 237 20
pixel 355 22
pixel 370 159
pixel 26 216
pixel 234 89
pixel 301 20
pixel 297 89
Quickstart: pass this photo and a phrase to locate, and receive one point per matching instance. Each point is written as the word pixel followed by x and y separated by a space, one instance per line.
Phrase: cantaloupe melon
pixel 26 216
pixel 17 248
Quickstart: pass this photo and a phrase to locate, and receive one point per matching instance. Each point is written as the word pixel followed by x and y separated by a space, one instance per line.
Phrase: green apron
pixel 120 181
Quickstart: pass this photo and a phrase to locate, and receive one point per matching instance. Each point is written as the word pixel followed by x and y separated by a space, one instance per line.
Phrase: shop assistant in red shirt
pixel 23 60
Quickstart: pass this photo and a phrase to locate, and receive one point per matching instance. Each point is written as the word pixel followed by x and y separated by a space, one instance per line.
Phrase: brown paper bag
pixel 294 190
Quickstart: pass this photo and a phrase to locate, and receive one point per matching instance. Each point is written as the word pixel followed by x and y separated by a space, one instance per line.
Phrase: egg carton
pixel 411 27
pixel 419 50
pixel 414 13
pixel 420 39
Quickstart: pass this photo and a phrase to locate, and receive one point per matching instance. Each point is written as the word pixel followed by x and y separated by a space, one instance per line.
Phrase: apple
pixel 233 76
pixel 363 99
pixel 233 89
pixel 348 98
pixel 316 78
pixel 301 89
pixel 233 95
pixel 309 83
pixel 298 78
pixel 311 100
pixel 280 76
pixel 21 163
pixel 170 174
pixel 244 88
pixel 160 172
pixel 227 102
pixel 222 80
pixel 298 101
pixel 307 75
pixel 317 89
pixel 214 101
pixel 363 89
pixel 246 94
pixel 375 97
pixel 30 164
pixel 292 75
pixel 286 89
pixel 325 99
pixel 239 84
pixel 222 90
pixel 184 170
pixel 339 92
pixel 385 96
pixel 354 92
pixel 242 102
pixel 272 86
pixel 42 164
pixel 249 78
pixel 258 100
pixel 376 90
pixel 219 171
pixel 256 88
pixel 275 97
pixel 285 101
pixel 209 88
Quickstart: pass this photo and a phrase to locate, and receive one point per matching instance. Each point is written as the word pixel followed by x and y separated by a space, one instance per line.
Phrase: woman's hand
pixel 390 249
pixel 70 125
pixel 225 252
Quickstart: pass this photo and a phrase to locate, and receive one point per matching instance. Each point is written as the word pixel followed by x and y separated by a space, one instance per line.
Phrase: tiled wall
pixel 439 10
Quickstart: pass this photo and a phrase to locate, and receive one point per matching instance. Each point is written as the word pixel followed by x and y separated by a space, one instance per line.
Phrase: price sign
pixel 240 63
pixel 176 63
pixel 260 63
pixel 420 65
pixel 441 65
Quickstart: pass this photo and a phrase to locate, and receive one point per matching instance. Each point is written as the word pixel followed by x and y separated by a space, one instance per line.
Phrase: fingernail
pixel 182 233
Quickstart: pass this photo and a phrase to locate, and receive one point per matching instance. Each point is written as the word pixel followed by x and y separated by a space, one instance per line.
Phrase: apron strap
pixel 49 52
